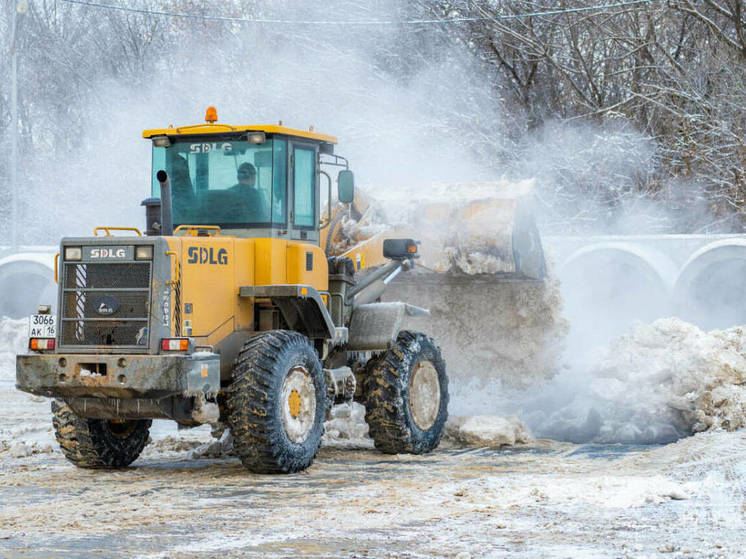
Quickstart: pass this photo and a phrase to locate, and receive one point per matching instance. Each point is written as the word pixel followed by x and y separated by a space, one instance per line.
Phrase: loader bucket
pixel 472 228
pixel 481 272
pixel 497 237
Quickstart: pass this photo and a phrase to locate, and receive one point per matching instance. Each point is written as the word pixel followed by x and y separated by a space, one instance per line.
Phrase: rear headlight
pixel 144 252
pixel 41 343
pixel 73 253
pixel 174 344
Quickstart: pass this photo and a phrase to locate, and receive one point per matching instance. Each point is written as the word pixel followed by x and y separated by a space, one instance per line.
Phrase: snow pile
pixel 347 426
pixel 13 340
pixel 222 446
pixel 23 449
pixel 487 431
pixel 660 382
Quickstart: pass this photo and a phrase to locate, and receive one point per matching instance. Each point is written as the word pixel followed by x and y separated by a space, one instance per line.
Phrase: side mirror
pixel 346 187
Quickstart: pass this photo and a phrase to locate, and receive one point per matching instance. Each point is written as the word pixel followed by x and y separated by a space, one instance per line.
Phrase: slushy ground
pixel 547 499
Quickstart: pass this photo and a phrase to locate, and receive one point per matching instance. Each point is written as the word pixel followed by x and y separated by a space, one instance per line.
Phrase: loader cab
pixel 260 182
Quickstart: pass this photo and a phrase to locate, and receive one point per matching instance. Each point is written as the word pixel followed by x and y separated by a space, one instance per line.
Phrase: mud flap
pixel 375 326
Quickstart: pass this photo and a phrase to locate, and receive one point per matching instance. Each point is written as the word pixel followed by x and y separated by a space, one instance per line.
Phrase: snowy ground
pixel 545 499
pixel 539 498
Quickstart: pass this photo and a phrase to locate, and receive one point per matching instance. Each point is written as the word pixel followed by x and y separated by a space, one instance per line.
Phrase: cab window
pixel 229 183
pixel 304 173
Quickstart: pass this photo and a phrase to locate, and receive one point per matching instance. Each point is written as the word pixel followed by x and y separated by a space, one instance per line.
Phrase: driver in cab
pixel 251 203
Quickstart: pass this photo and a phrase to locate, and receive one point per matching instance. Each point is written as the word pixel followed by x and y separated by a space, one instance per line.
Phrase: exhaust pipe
pixel 167 224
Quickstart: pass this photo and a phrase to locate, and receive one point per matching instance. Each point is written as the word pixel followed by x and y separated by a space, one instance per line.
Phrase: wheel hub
pixel 298 404
pixel 424 395
pixel 121 429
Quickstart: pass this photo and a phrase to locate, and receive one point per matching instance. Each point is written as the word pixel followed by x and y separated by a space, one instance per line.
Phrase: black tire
pixel 257 414
pixel 388 407
pixel 98 443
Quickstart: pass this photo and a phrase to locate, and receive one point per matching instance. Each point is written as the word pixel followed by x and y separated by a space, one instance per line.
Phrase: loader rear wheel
pixel 406 393
pixel 277 403
pixel 98 443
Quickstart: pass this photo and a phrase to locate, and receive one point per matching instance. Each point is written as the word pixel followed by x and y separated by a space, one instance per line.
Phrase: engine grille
pixel 105 304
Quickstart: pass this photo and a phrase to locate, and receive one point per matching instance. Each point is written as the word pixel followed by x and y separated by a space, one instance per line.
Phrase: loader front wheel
pixel 277 403
pixel 406 394
pixel 98 443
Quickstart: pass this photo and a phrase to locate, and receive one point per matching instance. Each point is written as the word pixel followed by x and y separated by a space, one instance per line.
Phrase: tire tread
pixel 386 392
pixel 257 440
pixel 85 442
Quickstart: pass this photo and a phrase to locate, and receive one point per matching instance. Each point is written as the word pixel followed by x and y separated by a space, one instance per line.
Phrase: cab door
pixel 305 197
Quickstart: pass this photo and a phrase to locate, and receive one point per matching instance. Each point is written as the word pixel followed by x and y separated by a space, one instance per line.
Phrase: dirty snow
pixel 548 500
pixel 487 431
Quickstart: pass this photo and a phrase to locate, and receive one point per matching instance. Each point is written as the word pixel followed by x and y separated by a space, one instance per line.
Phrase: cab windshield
pixel 233 184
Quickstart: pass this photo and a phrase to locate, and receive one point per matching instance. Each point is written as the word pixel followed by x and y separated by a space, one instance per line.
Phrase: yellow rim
pixel 294 404
pixel 298 400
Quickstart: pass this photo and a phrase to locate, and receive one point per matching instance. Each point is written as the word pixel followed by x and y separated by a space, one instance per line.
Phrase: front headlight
pixel 144 252
pixel 256 137
pixel 73 253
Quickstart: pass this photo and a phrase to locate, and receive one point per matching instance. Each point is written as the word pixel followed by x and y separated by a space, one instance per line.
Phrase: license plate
pixel 42 326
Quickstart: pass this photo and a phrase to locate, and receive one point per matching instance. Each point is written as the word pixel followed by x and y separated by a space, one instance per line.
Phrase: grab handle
pixel 110 229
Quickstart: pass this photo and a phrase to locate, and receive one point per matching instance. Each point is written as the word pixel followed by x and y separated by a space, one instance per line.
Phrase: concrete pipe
pixel 26 281
pixel 710 291
pixel 608 286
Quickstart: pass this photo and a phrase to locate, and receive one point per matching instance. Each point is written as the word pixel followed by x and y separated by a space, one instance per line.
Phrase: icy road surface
pixel 550 499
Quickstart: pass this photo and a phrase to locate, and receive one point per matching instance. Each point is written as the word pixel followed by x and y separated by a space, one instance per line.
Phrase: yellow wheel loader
pixel 229 311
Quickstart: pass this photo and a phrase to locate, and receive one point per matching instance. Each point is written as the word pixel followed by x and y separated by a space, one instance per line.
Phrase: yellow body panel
pixel 208 282
pixel 369 253
pixel 244 275
pixel 297 266
pixel 216 128
pixel 270 261
pixel 212 269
